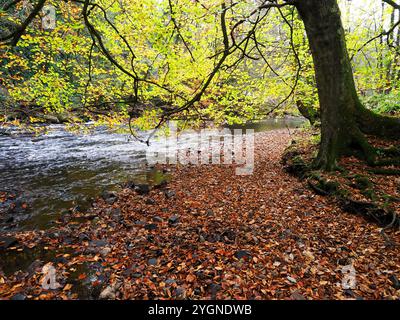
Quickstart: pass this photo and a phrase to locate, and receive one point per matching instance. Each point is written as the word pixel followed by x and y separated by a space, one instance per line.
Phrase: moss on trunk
pixel 344 120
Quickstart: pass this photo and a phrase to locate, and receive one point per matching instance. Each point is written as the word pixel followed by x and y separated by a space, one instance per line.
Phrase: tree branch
pixel 392 3
pixel 17 34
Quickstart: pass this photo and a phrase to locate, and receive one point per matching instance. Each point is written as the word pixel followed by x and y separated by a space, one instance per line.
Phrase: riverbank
pixel 47 174
pixel 209 234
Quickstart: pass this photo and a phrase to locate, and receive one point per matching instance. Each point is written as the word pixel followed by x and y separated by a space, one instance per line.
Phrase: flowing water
pixel 43 176
pixel 48 174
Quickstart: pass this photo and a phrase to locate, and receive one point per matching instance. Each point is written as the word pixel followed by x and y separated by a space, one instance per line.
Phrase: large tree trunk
pixel 344 120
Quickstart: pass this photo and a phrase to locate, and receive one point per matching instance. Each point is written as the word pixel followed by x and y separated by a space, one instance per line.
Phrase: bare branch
pixel 392 3
pixel 384 33
pixel 17 34
pixel 178 30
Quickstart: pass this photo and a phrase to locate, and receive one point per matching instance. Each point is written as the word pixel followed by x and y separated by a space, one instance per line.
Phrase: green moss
pixel 370 194
pixel 362 182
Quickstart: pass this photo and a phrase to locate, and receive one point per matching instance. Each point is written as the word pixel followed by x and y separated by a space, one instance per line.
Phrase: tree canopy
pixel 246 59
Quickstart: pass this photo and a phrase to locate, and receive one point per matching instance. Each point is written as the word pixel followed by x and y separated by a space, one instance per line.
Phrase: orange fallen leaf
pixel 67 287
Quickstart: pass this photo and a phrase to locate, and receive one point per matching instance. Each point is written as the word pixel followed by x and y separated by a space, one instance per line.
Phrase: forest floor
pixel 210 234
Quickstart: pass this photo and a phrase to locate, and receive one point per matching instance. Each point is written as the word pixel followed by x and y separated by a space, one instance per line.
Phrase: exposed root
pixel 371 210
pixel 386 172
pixel 387 162
pixel 388 241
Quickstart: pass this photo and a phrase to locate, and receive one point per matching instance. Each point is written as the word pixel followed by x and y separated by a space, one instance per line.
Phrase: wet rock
pixel 18 296
pixel 79 208
pixel 129 185
pixel 98 243
pixel 395 282
pixel 173 220
pixel 109 196
pixel 150 226
pixel 136 275
pixel 214 288
pixel 111 200
pixel 161 185
pixel 170 282
pixel 116 212
pixel 142 188
pixel 140 222
pixel 7 242
pixel 242 254
pixel 200 275
pixel 61 260
pixel 158 219
pixel 169 194
pixel 179 292
pixel 152 261
pixel 349 293
pixel 229 235
pixel 50 118
pixel 150 201
pixel 83 237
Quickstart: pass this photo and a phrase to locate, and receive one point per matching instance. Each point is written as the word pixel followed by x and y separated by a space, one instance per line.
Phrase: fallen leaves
pixel 217 235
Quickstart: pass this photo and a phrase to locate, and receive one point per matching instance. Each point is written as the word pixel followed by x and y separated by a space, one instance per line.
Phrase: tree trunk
pixel 389 73
pixel 343 118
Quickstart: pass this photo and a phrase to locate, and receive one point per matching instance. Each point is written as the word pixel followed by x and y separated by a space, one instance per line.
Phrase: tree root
pixel 386 172
pixel 317 189
pixel 389 152
pixel 322 186
pixel 372 211
pixel 294 164
pixel 388 241
pixel 387 162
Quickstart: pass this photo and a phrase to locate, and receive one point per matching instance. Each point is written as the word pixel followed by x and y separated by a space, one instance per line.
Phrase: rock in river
pixel 142 188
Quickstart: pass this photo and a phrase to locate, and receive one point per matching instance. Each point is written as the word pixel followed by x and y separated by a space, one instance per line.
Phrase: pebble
pixel 173 219
pixel 242 254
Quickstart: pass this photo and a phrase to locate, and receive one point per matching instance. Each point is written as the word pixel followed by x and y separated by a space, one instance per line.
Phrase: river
pixel 48 174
